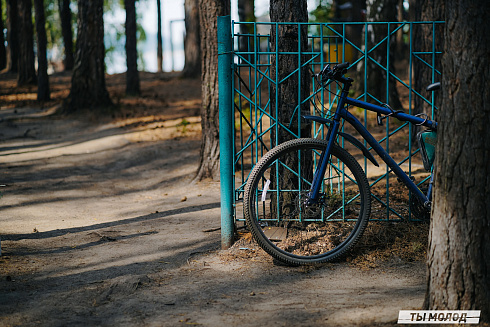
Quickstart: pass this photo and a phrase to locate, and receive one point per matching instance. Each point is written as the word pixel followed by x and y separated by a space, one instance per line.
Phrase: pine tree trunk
pixel 26 73
pixel 132 75
pixel 381 11
pixel 12 36
pixel 353 33
pixel 246 13
pixel 287 91
pixel 3 51
pixel 425 10
pixel 88 89
pixel 192 41
pixel 42 69
pixel 209 10
pixel 159 38
pixel 66 32
pixel 459 269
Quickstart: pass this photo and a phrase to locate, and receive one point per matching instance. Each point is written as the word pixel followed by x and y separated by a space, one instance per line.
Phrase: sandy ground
pixel 100 225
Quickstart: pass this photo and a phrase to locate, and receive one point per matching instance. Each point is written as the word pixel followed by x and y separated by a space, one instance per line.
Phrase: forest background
pixel 173 30
pixel 460 224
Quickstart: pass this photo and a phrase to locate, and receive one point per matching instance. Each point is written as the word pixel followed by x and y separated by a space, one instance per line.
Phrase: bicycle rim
pixel 277 214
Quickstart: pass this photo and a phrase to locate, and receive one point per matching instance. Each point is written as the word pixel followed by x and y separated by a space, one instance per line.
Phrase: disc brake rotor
pixel 307 211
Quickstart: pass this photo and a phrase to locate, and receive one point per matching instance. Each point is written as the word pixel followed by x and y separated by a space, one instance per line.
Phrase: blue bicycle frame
pixel 333 132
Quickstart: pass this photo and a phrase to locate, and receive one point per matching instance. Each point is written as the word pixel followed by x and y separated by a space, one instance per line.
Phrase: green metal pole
pixel 225 130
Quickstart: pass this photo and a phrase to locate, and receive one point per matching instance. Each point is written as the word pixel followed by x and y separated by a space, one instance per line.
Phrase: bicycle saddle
pixel 434 86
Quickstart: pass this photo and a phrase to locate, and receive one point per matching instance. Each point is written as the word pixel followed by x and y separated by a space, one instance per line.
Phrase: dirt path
pixel 100 226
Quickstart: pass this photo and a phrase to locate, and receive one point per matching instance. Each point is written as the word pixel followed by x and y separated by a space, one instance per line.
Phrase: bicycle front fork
pixel 314 193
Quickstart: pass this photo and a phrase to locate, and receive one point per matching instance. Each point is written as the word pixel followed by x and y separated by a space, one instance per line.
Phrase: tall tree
pixel 285 11
pixel 42 61
pixel 132 75
pixel 459 269
pixel 350 11
pixel 381 11
pixel 422 41
pixel 66 32
pixel 159 38
pixel 423 37
pixel 88 89
pixel 12 36
pixel 27 72
pixel 3 51
pixel 246 13
pixel 293 80
pixel 209 10
pixel 192 41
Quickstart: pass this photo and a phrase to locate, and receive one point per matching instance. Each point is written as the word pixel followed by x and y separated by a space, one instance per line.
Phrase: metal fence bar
pixel 226 131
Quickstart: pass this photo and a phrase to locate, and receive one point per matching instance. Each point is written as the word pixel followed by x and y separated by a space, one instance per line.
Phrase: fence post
pixel 225 130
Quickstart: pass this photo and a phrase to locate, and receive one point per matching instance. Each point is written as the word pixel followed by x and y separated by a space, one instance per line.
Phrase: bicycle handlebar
pixel 336 73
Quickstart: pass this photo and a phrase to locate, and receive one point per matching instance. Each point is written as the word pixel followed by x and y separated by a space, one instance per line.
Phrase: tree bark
pixel 132 75
pixel 66 32
pixel 209 10
pixel 192 41
pixel 159 38
pixel 42 61
pixel 26 73
pixel 287 96
pixel 459 241
pixel 3 50
pixel 12 36
pixel 287 91
pixel 88 89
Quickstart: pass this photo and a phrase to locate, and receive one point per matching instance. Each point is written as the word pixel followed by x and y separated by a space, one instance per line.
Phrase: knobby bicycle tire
pixel 280 221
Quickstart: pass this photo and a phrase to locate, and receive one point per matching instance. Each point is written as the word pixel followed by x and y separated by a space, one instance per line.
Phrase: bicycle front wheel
pixel 275 203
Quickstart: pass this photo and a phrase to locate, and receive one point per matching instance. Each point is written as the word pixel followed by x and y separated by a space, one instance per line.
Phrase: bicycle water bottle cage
pixel 427 143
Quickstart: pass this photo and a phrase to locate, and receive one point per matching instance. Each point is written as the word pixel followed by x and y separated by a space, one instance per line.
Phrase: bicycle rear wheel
pixel 275 209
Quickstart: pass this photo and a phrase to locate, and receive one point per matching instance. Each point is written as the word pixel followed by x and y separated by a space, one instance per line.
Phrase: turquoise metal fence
pixel 255 76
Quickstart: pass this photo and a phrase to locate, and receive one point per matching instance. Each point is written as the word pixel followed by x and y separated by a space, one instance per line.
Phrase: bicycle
pixel 307 201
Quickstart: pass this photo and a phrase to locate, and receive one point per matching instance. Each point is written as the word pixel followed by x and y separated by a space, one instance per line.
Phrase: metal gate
pixel 248 112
